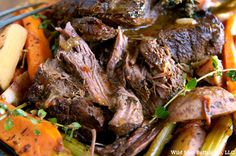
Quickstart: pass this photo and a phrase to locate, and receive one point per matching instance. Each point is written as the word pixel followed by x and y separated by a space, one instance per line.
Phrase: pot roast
pixel 135 58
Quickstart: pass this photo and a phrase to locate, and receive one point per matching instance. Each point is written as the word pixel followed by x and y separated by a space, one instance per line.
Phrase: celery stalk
pixel 217 138
pixel 161 139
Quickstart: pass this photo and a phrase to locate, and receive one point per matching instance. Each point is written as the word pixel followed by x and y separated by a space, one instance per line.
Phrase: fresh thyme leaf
pixel 34 121
pixel 54 48
pixel 43 25
pixel 36 16
pixel 41 113
pixel 53 120
pixel 75 125
pixel 43 17
pixel 19 112
pixel 161 112
pixel 3 106
pixel 8 124
pixel 215 62
pixel 69 129
pixel 191 84
pixel 36 132
pixel 232 74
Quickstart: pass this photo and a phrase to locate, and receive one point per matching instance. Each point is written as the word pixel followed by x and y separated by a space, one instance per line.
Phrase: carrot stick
pixel 37 45
pixel 229 53
pixel 23 138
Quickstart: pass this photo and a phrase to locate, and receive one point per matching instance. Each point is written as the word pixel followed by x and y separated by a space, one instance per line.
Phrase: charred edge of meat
pixel 93 29
pixel 189 43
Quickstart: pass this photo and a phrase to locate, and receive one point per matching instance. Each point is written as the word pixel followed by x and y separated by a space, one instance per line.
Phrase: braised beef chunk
pixel 76 78
pixel 93 29
pixel 99 87
pixel 114 12
pixel 166 76
pixel 77 109
pixel 128 114
pixel 156 56
pixel 83 64
pixel 53 82
pixel 156 78
pixel 64 97
pixel 193 42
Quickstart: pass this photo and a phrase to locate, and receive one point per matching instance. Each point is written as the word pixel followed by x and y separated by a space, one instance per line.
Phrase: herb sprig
pixel 45 21
pixel 69 129
pixel 5 112
pixel 161 111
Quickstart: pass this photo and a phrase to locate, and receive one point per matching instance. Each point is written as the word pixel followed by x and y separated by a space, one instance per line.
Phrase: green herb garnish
pixel 161 112
pixel 215 62
pixel 8 124
pixel 45 22
pixel 53 120
pixel 19 112
pixel 42 114
pixel 232 74
pixel 36 132
pixel 3 106
pixel 34 121
pixel 192 84
pixel 69 129
pixel 216 65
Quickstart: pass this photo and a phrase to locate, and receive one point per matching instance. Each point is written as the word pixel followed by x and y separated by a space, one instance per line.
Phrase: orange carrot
pixel 22 137
pixel 37 45
pixel 229 53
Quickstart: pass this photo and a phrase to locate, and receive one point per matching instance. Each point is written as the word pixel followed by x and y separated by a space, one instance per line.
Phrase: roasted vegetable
pixel 37 45
pixel 229 53
pixel 27 136
pixel 15 93
pixel 217 138
pixel 189 141
pixel 202 103
pixel 12 41
pixel 161 140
